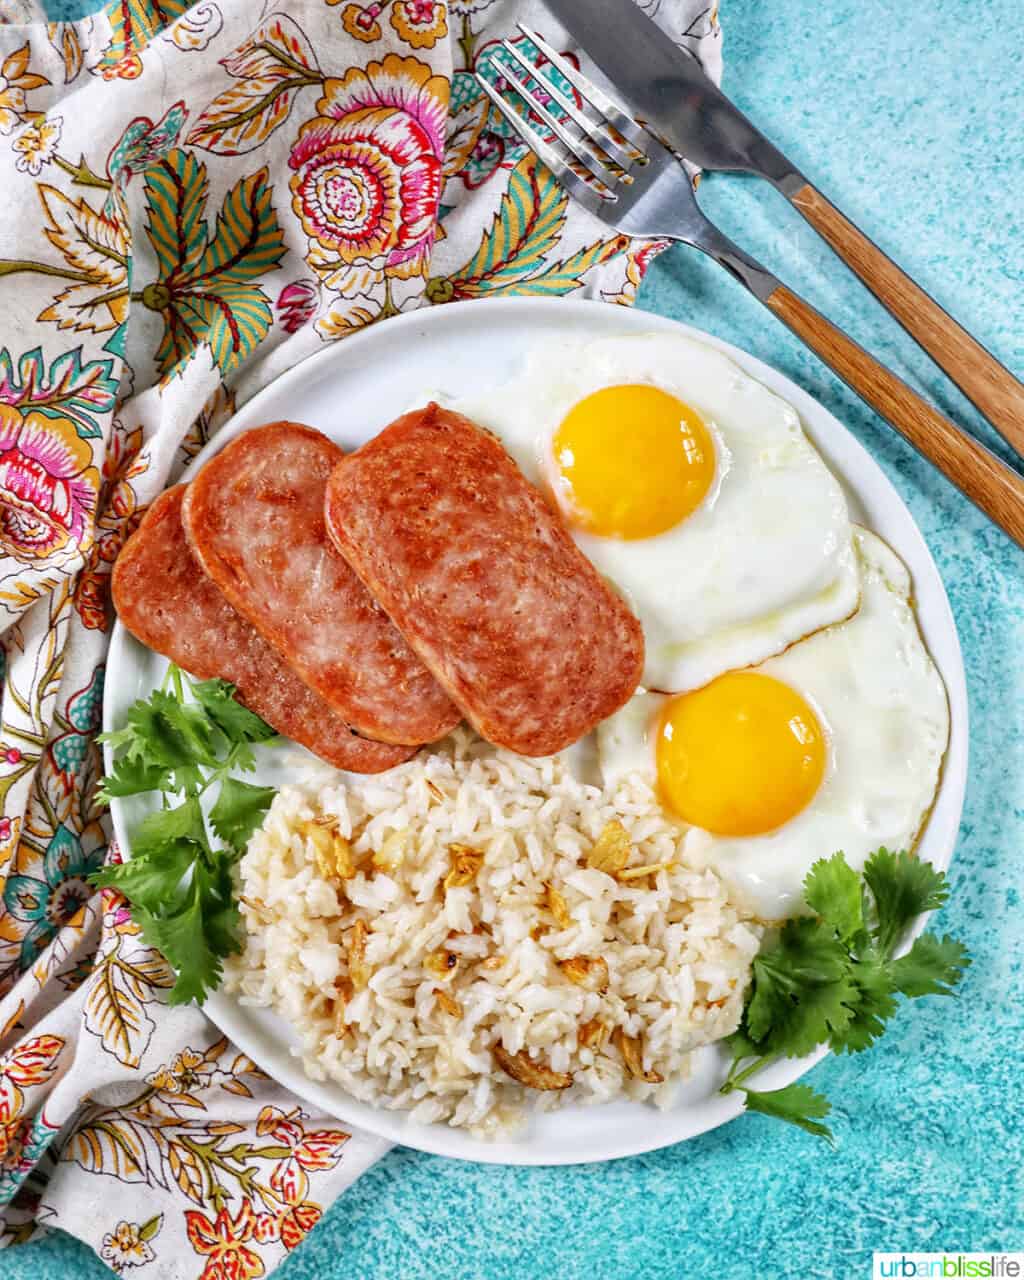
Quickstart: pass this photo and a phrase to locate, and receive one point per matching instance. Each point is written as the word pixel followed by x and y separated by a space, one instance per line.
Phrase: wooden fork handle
pixel 992 387
pixel 994 487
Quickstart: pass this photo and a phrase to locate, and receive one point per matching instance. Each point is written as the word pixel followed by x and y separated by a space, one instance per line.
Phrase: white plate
pixel 350 391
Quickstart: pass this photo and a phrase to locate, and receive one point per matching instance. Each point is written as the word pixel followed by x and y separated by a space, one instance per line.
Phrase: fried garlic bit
pixel 331 850
pixel 355 946
pixel 590 972
pixel 556 905
pixel 592 1034
pixel 611 853
pixel 632 1050
pixel 535 1075
pixel 638 873
pixel 257 906
pixel 611 850
pixel 466 862
pixel 448 1003
pixel 442 963
pixel 345 991
pixel 388 857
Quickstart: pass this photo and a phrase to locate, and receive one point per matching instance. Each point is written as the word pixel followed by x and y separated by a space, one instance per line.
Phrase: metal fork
pixel 617 170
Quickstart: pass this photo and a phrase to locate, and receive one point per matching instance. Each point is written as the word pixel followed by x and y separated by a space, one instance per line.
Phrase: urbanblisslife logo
pixel 948 1266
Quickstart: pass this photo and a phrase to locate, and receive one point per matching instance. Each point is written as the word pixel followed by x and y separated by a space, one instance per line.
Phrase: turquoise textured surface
pixel 908 115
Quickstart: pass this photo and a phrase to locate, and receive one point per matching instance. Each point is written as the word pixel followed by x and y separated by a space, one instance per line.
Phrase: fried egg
pixel 836 744
pixel 691 487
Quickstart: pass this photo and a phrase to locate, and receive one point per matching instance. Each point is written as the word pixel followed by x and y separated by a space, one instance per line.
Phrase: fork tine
pixel 577 149
pixel 581 191
pixel 592 129
pixel 597 98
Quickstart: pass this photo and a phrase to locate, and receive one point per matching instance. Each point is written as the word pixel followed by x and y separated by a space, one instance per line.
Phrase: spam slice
pixel 254 517
pixel 167 602
pixel 481 578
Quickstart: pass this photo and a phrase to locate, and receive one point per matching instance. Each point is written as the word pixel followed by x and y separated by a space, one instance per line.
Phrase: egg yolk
pixel 632 461
pixel 741 756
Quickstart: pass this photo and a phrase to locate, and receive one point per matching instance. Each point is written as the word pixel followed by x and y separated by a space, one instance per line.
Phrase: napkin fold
pixel 193 198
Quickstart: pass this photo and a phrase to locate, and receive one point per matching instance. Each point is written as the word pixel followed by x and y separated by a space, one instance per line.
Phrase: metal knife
pixel 666 86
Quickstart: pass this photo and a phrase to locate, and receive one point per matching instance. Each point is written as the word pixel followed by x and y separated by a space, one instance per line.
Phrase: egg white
pixel 883 707
pixel 764 561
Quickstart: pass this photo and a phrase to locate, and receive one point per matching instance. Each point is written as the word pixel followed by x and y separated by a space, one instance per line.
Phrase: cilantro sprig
pixel 831 978
pixel 188 737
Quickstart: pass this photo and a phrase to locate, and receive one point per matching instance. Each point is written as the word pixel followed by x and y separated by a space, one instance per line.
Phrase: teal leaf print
pixel 45 901
pixel 525 229
pixel 176 191
pixel 144 143
pixel 133 24
pixel 514 256
pixel 246 241
pixel 82 391
pixel 208 290
pixel 566 275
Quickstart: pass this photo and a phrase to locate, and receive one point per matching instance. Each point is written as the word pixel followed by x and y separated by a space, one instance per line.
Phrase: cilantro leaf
pixel 830 978
pixel 183 939
pixel 150 881
pixel 741 1044
pixel 239 811
pixel 241 757
pixel 132 777
pixel 820 1013
pixel 237 723
pixel 119 739
pixel 183 822
pixel 833 889
pixel 164 852
pixel 798 1104
pixel 803 971
pixel 178 881
pixel 166 734
pixel 873 1004
pixel 902 887
pixel 222 922
pixel 804 953
pixel 932 966
pixel 192 727
pixel 196 930
pixel 153 739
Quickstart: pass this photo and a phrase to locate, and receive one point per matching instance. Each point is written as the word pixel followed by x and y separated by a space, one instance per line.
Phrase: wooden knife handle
pixel 992 387
pixel 994 487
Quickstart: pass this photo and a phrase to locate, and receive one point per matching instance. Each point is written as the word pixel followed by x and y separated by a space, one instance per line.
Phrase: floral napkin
pixel 192 199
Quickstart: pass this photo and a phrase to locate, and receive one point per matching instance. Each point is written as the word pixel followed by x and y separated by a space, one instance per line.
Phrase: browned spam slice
pixel 484 582
pixel 254 517
pixel 166 601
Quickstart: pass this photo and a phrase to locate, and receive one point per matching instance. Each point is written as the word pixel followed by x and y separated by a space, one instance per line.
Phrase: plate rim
pixel 225 1011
